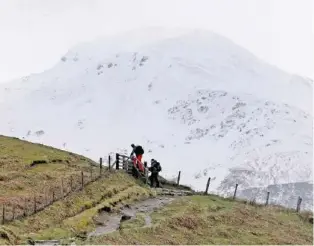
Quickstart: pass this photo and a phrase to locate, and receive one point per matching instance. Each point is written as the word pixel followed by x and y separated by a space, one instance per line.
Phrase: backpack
pixel 139 150
pixel 158 167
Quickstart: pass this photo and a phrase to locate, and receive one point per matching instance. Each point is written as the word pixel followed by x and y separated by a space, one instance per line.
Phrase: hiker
pixel 155 168
pixel 138 151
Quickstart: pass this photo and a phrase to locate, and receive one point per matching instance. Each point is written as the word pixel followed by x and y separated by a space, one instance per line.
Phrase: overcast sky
pixel 36 33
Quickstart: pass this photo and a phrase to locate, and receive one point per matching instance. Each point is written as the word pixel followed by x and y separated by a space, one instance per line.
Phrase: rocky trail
pixel 111 222
pixel 108 222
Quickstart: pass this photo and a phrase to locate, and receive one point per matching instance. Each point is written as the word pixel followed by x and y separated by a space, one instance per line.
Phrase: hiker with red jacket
pixel 138 151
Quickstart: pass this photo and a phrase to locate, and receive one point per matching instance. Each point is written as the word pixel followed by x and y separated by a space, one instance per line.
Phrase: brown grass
pixel 212 220
pixel 21 183
pixel 74 215
pixel 191 220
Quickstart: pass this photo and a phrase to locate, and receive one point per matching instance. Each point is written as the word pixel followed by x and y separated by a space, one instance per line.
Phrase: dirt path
pixel 111 222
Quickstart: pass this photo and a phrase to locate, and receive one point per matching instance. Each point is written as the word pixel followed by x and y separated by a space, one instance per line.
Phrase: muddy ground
pixel 110 222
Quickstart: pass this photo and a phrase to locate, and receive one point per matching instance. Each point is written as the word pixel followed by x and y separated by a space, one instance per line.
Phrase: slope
pixel 212 220
pixel 188 220
pixel 29 169
pixel 194 99
pixel 21 181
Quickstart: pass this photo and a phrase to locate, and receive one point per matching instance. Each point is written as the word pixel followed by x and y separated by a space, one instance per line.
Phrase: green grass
pixel 16 154
pixel 214 220
pixel 74 216
pixel 19 180
pixel 189 220
pixel 137 222
pixel 173 185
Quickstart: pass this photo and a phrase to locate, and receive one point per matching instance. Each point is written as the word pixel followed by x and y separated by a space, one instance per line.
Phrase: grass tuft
pixel 214 220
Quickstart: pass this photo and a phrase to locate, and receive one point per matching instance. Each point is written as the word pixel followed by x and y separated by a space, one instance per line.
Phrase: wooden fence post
pixel 53 196
pixel 47 198
pixel 267 198
pixel 235 191
pixel 13 213
pixel 100 166
pixel 91 173
pixel 25 208
pixel 123 163
pixel 35 208
pixel 109 162
pixel 146 174
pixel 299 204
pixel 71 182
pixel 62 194
pixel 179 176
pixel 82 179
pixel 117 161
pixel 3 214
pixel 207 185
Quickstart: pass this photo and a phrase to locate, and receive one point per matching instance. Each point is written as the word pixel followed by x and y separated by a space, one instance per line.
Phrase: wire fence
pixel 253 200
pixel 13 210
pixel 21 207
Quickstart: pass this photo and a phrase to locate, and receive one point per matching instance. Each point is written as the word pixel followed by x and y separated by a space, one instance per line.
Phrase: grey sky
pixel 36 33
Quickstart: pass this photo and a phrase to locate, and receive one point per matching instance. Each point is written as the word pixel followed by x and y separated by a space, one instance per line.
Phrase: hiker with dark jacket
pixel 155 168
pixel 138 151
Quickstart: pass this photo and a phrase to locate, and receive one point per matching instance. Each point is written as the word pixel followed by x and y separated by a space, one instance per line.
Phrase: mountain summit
pixel 196 101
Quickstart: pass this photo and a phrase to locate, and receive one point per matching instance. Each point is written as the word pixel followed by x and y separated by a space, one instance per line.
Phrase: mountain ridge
pixel 187 95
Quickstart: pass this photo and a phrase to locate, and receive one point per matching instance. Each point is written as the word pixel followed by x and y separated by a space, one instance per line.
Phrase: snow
pixel 196 101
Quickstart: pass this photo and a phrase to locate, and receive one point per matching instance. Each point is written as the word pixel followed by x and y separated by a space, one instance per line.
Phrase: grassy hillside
pixel 74 216
pixel 29 169
pixel 188 220
pixel 21 180
pixel 213 220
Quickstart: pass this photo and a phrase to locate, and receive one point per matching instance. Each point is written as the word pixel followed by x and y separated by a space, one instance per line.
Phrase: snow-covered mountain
pixel 196 101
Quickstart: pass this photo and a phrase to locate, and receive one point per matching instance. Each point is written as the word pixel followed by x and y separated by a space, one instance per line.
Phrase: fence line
pixel 299 201
pixel 75 183
pixel 40 201
pixel 120 165
pixel 179 177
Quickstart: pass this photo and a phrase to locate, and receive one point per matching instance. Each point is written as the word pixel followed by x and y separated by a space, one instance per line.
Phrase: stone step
pixel 172 192
pixel 46 242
